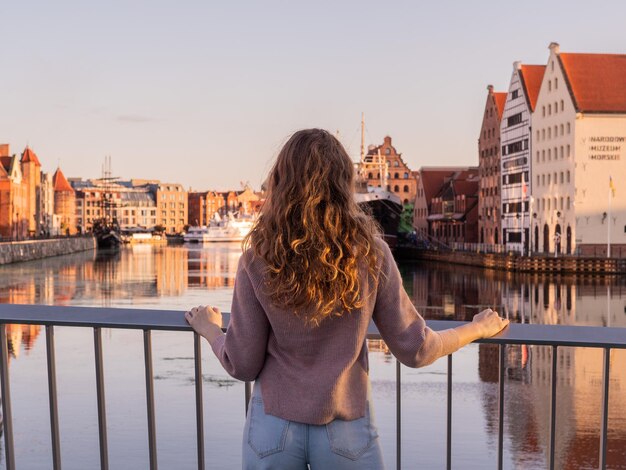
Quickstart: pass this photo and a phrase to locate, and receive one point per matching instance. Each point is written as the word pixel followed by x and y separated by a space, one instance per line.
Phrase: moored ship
pixel 230 230
pixel 384 206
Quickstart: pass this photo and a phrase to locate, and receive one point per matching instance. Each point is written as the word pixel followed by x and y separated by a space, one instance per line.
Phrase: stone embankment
pixel 27 250
pixel 514 262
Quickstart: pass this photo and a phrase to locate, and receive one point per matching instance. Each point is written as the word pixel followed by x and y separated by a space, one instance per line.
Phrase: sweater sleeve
pixel 401 326
pixel 242 350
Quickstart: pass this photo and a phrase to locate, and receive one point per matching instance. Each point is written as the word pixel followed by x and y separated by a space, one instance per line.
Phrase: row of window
pixel 556 84
pixel 543 204
pixel 548 179
pixel 513 162
pixel 548 204
pixel 488 210
pixel 555 153
pixel 515 207
pixel 514 119
pixel 515 178
pixel 490 152
pixel 491 191
pixel 172 205
pixel 145 222
pixel 396 176
pixel 551 108
pixel 181 197
pixel 449 231
pixel 489 133
pixel 515 147
pixel 172 214
pixel 548 133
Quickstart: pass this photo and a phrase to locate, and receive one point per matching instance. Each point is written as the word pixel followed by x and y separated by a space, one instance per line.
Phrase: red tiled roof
pixel 500 99
pixel 532 76
pixel 597 82
pixel 60 182
pixel 29 156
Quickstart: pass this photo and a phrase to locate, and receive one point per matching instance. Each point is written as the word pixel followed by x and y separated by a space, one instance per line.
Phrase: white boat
pixel 230 230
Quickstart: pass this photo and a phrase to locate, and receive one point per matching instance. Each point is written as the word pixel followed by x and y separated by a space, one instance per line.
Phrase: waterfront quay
pixel 28 250
pixel 564 264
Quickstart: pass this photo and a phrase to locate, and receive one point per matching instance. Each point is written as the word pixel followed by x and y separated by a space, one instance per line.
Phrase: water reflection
pixel 455 292
pixel 159 277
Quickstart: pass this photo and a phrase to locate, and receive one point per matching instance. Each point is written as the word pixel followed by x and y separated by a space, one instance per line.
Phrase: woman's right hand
pixel 489 322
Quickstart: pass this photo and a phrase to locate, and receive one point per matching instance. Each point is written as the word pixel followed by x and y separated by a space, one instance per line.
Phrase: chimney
pixel 554 47
pixel 4 150
pixel 517 65
pixel 490 88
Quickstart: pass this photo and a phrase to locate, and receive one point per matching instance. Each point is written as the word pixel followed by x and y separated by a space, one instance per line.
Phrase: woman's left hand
pixel 204 319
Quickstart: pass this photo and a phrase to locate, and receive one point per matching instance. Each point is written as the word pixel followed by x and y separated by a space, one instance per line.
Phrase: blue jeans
pixel 274 443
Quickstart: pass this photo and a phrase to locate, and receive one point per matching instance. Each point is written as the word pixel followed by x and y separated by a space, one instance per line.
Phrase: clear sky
pixel 205 92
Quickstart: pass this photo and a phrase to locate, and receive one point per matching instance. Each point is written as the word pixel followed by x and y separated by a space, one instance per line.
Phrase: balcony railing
pixel 148 320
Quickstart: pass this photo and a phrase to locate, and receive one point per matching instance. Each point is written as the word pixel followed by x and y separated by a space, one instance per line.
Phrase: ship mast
pixel 362 138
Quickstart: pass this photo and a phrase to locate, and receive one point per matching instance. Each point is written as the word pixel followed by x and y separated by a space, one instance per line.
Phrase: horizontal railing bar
pixel 172 320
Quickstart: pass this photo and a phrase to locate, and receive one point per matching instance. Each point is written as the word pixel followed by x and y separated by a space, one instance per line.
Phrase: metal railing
pixel 148 320
pixel 478 247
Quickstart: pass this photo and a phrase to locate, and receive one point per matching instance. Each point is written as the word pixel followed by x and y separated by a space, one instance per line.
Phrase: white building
pixel 579 144
pixel 515 161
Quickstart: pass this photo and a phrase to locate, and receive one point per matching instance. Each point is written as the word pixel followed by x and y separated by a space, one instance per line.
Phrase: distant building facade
pixel 204 205
pixel 171 203
pixel 515 134
pixel 579 161
pixel 446 208
pixel 429 183
pixel 489 224
pixel 384 167
pixel 133 208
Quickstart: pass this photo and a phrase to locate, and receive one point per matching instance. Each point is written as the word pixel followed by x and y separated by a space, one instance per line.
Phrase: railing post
pixel 449 417
pixel 605 407
pixel 553 385
pixel 52 399
pixel 197 347
pixel 102 417
pixel 7 418
pixel 147 350
pixel 501 369
pixel 398 416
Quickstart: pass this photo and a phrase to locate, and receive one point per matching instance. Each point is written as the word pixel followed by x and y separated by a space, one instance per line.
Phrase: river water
pixel 178 277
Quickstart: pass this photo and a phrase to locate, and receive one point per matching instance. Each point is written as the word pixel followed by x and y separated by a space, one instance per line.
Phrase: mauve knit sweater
pixel 311 374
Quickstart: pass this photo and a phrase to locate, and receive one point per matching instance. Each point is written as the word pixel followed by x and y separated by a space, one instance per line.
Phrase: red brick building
pixel 64 203
pixel 203 206
pixel 446 206
pixel 489 195
pixel 31 174
pixel 20 181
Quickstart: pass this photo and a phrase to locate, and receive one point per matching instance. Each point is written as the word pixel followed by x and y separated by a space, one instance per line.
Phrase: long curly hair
pixel 314 238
